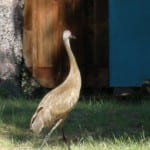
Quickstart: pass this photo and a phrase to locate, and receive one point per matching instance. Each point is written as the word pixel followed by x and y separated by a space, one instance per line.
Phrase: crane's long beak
pixel 73 37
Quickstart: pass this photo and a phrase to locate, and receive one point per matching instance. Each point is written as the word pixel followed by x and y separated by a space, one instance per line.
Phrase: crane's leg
pixel 50 133
pixel 64 136
pixel 65 139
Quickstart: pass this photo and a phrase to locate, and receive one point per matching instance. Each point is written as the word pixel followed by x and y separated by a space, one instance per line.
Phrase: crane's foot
pixel 44 143
pixel 50 133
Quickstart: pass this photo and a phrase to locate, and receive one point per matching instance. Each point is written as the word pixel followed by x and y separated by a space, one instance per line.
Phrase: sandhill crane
pixel 55 106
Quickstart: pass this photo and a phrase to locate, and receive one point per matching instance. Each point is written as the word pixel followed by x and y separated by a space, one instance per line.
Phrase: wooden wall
pixel 44 22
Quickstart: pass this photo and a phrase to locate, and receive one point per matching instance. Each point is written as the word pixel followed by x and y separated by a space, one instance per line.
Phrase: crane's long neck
pixel 72 61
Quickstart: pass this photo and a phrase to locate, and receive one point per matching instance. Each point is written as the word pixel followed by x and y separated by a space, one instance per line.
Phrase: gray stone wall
pixel 10 46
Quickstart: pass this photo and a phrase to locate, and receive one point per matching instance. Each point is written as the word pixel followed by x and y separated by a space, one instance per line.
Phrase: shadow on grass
pixel 99 120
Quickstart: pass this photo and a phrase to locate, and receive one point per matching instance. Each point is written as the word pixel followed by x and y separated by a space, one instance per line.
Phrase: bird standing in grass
pixel 56 105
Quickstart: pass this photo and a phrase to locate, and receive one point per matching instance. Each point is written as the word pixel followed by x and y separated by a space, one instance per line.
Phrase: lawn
pixel 93 125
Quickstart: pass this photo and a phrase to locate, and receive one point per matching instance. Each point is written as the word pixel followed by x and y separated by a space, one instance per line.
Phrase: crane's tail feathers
pixel 37 123
pixel 34 116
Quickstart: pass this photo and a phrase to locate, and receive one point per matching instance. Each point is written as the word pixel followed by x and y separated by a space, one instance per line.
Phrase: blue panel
pixel 129 42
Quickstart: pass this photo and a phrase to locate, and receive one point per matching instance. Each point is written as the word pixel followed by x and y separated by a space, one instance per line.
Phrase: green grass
pixel 92 125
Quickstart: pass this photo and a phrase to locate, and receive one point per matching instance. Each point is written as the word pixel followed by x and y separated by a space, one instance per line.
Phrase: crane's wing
pixel 60 102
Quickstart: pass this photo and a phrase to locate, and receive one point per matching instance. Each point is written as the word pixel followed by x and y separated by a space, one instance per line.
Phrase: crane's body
pixel 55 106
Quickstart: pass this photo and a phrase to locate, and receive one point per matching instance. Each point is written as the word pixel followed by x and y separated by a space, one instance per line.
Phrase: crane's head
pixel 67 35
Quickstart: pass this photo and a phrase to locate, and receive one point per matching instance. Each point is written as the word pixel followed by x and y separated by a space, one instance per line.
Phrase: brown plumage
pixel 55 106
